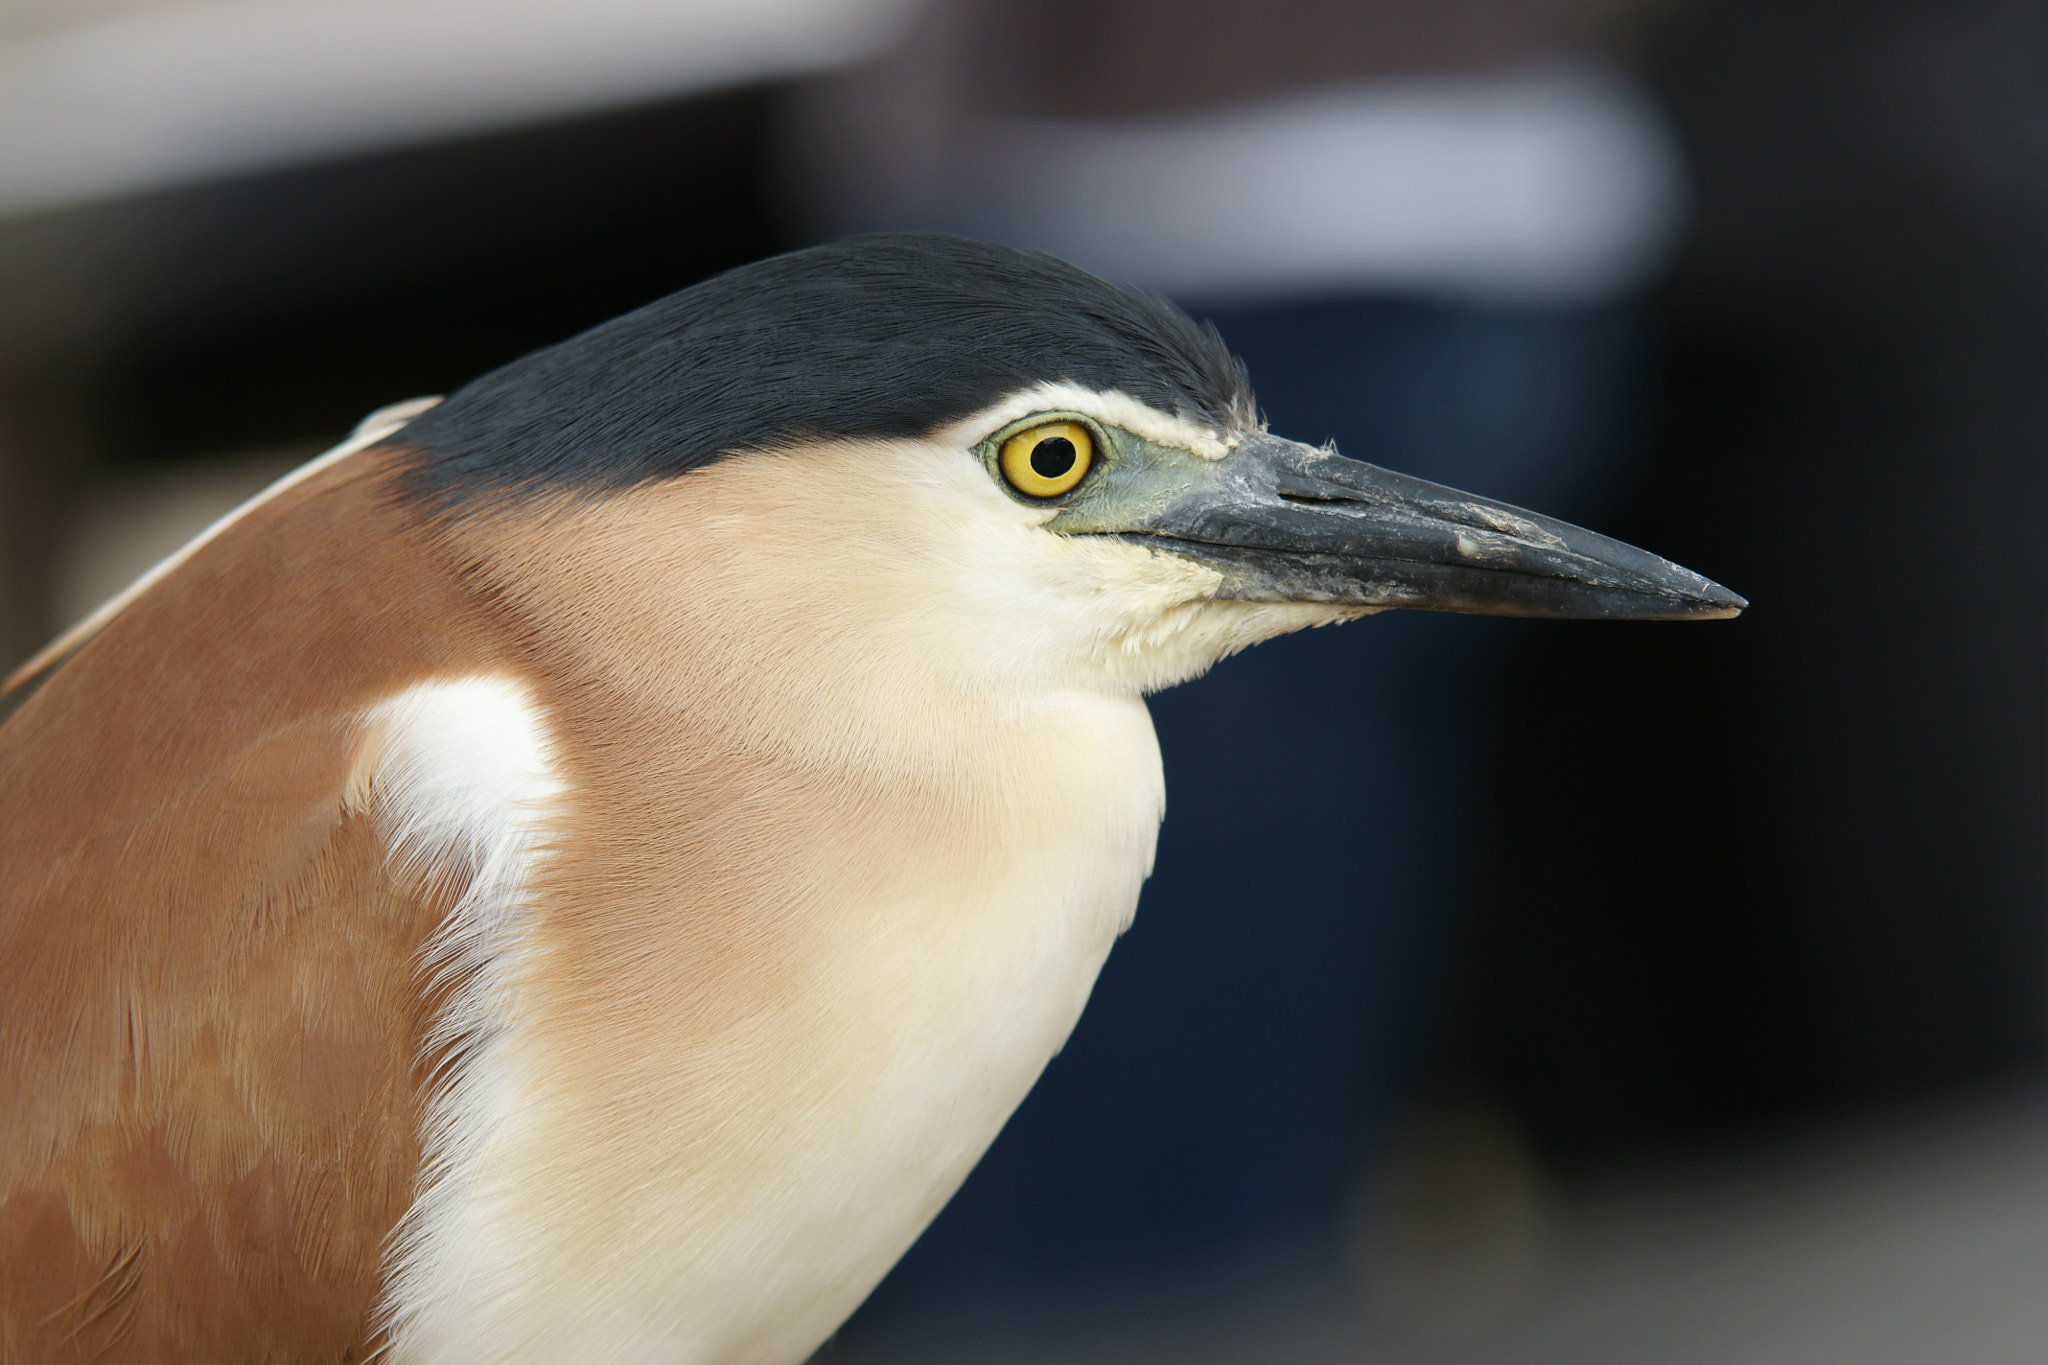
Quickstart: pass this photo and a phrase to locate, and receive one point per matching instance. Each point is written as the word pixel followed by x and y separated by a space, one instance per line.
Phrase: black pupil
pixel 1052 457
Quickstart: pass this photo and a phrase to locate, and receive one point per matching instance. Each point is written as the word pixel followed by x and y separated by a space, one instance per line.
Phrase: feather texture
pixel 213 1034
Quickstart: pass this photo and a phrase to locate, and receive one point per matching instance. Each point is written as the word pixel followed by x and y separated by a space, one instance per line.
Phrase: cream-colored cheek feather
pixel 893 575
pixel 895 568
pixel 1169 634
pixel 985 583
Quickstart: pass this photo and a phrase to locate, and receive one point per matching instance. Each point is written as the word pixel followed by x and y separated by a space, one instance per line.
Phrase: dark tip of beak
pixel 1285 522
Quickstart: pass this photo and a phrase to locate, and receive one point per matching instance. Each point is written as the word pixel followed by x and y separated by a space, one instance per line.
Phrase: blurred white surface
pixel 1554 184
pixel 127 97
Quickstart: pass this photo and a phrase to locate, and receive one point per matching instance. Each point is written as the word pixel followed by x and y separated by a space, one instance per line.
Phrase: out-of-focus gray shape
pixel 1894 1241
pixel 145 97
pixel 1918 1239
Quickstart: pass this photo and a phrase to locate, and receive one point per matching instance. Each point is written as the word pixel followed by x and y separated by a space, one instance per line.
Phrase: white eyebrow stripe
pixel 1113 407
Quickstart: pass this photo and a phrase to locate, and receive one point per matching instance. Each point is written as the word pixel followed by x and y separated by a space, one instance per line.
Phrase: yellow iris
pixel 1047 460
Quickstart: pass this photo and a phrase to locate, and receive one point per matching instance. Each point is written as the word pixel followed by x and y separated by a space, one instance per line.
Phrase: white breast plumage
pixel 863 1094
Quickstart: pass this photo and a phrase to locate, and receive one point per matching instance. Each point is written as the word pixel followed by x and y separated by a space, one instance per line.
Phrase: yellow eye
pixel 1046 461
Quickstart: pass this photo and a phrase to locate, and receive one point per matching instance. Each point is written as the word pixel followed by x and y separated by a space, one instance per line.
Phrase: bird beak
pixel 1285 522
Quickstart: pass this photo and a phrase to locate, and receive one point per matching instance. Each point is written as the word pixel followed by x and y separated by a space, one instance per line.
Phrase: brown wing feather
pixel 210 1015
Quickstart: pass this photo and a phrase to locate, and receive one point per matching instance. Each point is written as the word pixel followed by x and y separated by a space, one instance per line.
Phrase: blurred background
pixel 1659 993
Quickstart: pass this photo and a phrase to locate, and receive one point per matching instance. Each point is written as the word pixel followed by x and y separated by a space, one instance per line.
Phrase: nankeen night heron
pixel 583 870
